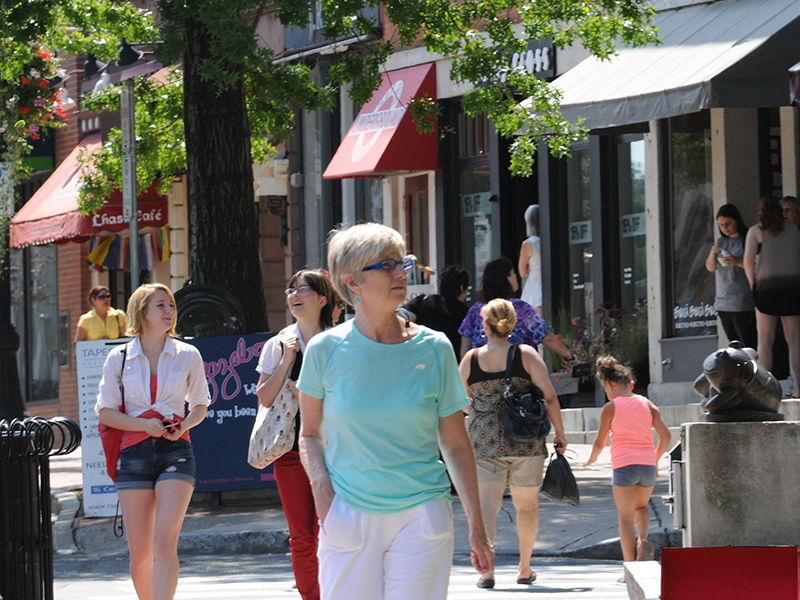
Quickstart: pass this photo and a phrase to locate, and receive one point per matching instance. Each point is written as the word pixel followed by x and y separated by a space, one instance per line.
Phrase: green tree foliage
pixel 216 44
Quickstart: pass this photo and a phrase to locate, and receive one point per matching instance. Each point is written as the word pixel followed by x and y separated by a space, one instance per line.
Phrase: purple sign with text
pixel 221 441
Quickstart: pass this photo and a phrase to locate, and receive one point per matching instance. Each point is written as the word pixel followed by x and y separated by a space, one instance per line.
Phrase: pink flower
pixel 575 320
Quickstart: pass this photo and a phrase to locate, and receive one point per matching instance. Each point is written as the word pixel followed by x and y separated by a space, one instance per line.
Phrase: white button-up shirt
pixel 181 379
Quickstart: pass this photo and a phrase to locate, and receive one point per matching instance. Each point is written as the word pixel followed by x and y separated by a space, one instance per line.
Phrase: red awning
pixel 383 138
pixel 52 214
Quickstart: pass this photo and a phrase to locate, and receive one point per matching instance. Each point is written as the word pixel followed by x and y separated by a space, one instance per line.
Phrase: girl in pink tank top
pixel 629 417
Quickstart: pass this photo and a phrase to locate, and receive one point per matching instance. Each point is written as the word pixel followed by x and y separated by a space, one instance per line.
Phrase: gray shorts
pixel 155 459
pixel 520 471
pixel 631 475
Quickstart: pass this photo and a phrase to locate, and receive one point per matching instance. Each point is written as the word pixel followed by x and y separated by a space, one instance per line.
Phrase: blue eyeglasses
pixel 390 264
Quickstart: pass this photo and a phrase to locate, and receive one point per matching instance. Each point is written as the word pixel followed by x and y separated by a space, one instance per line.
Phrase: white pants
pixel 401 556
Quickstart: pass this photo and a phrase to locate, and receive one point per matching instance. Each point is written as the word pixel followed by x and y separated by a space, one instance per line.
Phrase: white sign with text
pixel 99 493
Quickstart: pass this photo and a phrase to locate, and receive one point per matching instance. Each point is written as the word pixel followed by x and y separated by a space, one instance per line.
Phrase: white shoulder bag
pixel 273 433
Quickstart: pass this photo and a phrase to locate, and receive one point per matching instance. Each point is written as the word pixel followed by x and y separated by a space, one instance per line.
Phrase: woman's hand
pixel 292 386
pixel 715 249
pixel 323 498
pixel 291 346
pixel 154 428
pixel 560 442
pixel 482 553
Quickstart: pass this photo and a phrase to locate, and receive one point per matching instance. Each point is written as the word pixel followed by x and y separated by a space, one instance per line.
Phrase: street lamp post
pixel 130 200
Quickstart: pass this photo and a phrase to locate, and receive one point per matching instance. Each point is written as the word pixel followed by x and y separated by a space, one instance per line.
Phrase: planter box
pixel 564 383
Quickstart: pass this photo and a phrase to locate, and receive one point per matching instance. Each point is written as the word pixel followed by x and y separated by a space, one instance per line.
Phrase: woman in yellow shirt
pixel 103 321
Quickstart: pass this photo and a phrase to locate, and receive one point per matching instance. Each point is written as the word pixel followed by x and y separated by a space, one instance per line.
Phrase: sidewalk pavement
pixel 588 531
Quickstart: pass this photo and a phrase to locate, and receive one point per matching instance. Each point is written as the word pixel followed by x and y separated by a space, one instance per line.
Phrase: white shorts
pixel 399 556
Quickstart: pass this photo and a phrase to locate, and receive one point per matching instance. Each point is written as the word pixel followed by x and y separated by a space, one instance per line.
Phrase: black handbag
pixel 559 483
pixel 524 416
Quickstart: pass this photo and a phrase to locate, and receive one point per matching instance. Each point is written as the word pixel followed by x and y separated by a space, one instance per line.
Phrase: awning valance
pixel 52 214
pixel 723 54
pixel 383 139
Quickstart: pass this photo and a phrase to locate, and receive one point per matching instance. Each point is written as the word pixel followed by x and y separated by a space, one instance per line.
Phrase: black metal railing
pixel 26 529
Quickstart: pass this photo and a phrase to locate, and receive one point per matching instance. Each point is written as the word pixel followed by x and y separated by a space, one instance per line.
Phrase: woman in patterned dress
pixel 501 464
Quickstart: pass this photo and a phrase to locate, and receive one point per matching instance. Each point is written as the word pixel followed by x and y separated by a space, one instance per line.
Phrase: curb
pixel 99 539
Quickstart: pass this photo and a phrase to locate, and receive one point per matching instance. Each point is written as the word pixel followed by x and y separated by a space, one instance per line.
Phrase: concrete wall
pixel 742 481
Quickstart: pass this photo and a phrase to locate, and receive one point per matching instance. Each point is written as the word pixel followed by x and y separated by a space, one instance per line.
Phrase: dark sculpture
pixel 736 388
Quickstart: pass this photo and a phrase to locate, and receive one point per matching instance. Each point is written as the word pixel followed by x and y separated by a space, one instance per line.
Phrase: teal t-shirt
pixel 381 405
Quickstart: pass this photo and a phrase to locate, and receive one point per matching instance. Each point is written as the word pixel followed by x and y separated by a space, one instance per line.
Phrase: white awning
pixel 733 53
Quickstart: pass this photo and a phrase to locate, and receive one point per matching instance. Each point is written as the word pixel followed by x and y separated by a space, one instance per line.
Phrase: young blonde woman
pixel 629 418
pixel 311 300
pixel 156 469
pixel 503 464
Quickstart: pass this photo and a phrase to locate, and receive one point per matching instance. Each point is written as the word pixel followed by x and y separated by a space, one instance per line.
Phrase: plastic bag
pixel 559 483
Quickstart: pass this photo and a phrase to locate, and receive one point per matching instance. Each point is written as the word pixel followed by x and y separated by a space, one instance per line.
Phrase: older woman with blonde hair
pixel 379 397
pixel 156 470
pixel 502 463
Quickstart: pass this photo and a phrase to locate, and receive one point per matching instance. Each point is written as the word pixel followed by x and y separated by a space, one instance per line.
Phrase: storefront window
pixel 579 209
pixel 34 314
pixel 476 222
pixel 690 227
pixel 632 241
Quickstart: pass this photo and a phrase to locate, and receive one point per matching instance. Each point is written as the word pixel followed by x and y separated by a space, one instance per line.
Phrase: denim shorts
pixel 631 475
pixel 155 459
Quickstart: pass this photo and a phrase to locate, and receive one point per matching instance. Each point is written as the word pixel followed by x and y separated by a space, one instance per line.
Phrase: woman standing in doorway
pixel 734 300
pixel 102 321
pixel 156 471
pixel 776 283
pixel 310 298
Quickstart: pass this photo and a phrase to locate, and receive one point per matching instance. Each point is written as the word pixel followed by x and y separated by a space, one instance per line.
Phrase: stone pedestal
pixel 742 484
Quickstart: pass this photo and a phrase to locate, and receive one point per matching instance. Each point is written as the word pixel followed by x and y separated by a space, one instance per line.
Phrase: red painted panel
pixel 730 573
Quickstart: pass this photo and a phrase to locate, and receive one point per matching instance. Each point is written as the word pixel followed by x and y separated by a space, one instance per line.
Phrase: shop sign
pixel 538 59
pixel 632 225
pixel 476 205
pixel 580 232
pixel 220 441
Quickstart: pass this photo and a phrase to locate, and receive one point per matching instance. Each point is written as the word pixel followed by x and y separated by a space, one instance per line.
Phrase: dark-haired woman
pixel 629 418
pixel 776 283
pixel 500 281
pixel 310 298
pixel 734 299
pixel 103 321
pixel 446 310
pixel 502 463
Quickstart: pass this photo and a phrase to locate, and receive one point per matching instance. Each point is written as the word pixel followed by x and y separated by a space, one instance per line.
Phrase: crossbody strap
pixel 121 373
pixel 509 365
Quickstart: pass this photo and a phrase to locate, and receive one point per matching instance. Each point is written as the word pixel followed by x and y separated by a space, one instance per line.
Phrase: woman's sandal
pixel 621 579
pixel 485 584
pixel 527 580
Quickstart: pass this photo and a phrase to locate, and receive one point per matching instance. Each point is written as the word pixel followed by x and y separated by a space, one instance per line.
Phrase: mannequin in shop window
pixel 530 260
pixel 102 321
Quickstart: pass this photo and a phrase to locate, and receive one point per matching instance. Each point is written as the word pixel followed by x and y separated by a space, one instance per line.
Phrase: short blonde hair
pixel 500 315
pixel 352 248
pixel 137 307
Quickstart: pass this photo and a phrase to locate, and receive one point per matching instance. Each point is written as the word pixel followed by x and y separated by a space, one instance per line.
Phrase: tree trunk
pixel 223 217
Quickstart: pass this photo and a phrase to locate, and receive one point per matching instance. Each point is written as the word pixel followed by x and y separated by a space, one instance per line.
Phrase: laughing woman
pixel 156 469
pixel 378 398
pixel 310 298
